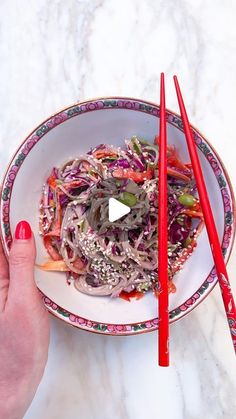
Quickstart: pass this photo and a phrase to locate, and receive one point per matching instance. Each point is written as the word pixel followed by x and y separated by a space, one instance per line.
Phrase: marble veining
pixel 54 53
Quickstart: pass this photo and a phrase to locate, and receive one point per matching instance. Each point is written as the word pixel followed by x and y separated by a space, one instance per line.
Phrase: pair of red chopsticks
pixel 226 293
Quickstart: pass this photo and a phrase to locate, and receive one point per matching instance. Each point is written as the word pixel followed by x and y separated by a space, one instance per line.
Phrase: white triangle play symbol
pixel 116 210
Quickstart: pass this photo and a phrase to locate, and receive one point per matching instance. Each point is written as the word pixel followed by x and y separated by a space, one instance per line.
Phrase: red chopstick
pixel 163 335
pixel 226 292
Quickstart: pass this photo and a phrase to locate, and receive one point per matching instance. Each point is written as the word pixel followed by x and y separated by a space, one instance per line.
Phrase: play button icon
pixel 116 210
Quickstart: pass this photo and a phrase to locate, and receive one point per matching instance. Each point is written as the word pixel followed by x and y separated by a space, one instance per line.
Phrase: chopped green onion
pixel 187 241
pixel 136 148
pixel 151 165
pixel 153 147
pixel 172 247
pixel 92 172
pixel 143 287
pixel 135 145
pixel 111 158
pixel 180 220
pixel 145 142
pixel 81 225
pixel 52 203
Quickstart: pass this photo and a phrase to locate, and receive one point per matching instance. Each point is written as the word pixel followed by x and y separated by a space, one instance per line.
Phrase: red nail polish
pixel 23 231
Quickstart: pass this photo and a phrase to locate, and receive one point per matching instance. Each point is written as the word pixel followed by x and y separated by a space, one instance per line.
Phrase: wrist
pixel 9 408
pixel 14 401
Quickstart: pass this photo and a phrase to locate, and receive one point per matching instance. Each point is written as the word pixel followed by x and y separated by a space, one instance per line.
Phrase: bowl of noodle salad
pixel 99 274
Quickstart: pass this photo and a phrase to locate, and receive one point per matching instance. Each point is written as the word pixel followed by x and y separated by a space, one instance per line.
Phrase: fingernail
pixel 23 231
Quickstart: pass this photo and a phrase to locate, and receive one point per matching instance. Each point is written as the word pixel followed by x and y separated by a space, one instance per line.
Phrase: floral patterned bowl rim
pixel 173 119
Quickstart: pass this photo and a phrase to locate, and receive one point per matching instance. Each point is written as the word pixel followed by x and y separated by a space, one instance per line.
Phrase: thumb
pixel 21 265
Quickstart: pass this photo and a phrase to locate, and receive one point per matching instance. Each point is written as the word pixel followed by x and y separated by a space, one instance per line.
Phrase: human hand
pixel 24 327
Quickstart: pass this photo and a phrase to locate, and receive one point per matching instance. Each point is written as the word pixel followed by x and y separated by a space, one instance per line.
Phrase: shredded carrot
pixel 137 177
pixel 192 213
pixel 171 287
pixel 172 172
pixel 54 265
pixel 100 154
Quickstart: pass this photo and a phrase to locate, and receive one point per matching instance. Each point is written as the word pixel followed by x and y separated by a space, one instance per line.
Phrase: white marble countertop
pixel 54 52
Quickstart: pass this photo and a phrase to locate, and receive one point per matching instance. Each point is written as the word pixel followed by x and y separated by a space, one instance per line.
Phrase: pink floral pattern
pixel 135 105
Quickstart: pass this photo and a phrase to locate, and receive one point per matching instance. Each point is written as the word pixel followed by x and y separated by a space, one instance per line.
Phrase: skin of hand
pixel 24 326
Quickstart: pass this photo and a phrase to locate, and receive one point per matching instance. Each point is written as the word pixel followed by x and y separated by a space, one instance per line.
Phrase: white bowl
pixel 72 132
